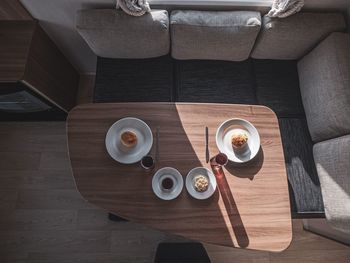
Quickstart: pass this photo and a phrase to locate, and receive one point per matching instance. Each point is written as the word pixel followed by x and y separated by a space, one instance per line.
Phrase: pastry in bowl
pixel 128 139
pixel 239 140
pixel 201 183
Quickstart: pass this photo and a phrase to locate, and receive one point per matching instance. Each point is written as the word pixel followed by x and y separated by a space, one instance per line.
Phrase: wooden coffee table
pixel 250 208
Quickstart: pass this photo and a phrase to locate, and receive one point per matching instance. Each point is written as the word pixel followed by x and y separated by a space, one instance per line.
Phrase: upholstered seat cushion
pixel 295 36
pixel 214 35
pixel 114 34
pixel 324 76
pixel 333 168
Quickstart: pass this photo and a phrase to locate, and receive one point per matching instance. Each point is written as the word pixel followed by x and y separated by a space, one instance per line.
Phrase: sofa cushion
pixel 215 35
pixel 333 168
pixel 324 76
pixel 295 36
pixel 115 34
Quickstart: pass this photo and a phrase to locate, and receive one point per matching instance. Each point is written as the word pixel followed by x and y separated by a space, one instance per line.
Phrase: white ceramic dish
pixel 124 154
pixel 175 176
pixel 224 136
pixel 190 183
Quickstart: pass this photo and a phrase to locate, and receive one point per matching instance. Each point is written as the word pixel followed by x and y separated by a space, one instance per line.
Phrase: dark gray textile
pixel 332 159
pixel 114 34
pixel 134 80
pixel 215 35
pixel 277 87
pixel 325 87
pixel 180 252
pixel 303 180
pixel 294 36
pixel 215 81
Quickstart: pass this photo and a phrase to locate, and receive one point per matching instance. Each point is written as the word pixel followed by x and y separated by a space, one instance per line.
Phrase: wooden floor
pixel 44 219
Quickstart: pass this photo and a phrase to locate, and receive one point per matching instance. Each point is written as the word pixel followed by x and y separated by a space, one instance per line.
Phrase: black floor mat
pixel 181 253
pixel 134 80
pixel 215 81
pixel 277 86
pixel 306 196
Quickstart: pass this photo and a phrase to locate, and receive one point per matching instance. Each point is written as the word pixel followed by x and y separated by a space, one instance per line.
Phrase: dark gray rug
pixel 134 80
pixel 306 196
pixel 215 81
pixel 277 87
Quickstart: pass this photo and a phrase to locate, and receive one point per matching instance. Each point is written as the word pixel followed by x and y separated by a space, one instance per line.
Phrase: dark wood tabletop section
pixel 250 208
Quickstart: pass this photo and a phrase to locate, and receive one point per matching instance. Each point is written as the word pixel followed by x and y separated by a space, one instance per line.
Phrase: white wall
pixel 57 17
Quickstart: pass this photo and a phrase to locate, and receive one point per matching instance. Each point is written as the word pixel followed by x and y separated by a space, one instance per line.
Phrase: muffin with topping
pixel 128 139
pixel 201 183
pixel 239 140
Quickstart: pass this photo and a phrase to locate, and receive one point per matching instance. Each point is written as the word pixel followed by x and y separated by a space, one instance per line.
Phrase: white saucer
pixel 160 175
pixel 190 183
pixel 123 154
pixel 224 135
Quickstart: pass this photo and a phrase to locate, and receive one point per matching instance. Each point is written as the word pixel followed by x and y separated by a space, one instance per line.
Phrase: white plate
pixel 190 183
pixel 160 175
pixel 124 154
pixel 224 135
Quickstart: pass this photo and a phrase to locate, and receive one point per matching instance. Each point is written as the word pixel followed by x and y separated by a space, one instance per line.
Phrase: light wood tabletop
pixel 251 207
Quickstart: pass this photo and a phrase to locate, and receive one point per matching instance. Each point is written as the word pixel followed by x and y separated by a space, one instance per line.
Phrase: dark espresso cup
pixel 167 184
pixel 147 162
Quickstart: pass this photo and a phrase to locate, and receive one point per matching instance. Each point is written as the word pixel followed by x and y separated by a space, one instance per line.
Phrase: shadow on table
pixel 231 207
pixel 249 169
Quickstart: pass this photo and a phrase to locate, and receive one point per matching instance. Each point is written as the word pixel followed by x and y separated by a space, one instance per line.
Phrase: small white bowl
pixel 190 183
pixel 162 174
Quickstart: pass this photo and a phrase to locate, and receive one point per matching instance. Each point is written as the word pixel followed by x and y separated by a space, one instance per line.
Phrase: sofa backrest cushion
pixel 114 34
pixel 333 168
pixel 215 35
pixel 324 76
pixel 294 36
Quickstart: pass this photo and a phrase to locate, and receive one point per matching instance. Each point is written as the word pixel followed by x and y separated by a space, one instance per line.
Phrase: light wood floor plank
pixel 38 220
pixel 54 241
pixel 51 199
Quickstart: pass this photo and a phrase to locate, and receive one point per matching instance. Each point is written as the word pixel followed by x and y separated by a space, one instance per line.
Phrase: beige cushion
pixel 324 76
pixel 114 34
pixel 294 36
pixel 216 35
pixel 332 160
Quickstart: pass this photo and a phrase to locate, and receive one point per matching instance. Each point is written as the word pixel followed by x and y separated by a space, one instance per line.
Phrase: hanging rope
pixel 133 7
pixel 285 8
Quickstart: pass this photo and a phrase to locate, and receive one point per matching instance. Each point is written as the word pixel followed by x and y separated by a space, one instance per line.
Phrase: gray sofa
pixel 323 67
pixel 325 88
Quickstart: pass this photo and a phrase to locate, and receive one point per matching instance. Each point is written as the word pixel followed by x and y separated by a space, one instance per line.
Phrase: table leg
pixel 116 218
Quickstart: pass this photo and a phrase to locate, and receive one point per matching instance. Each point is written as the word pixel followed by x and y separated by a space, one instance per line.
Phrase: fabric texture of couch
pixel 295 36
pixel 213 35
pixel 324 76
pixel 108 33
pixel 332 158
